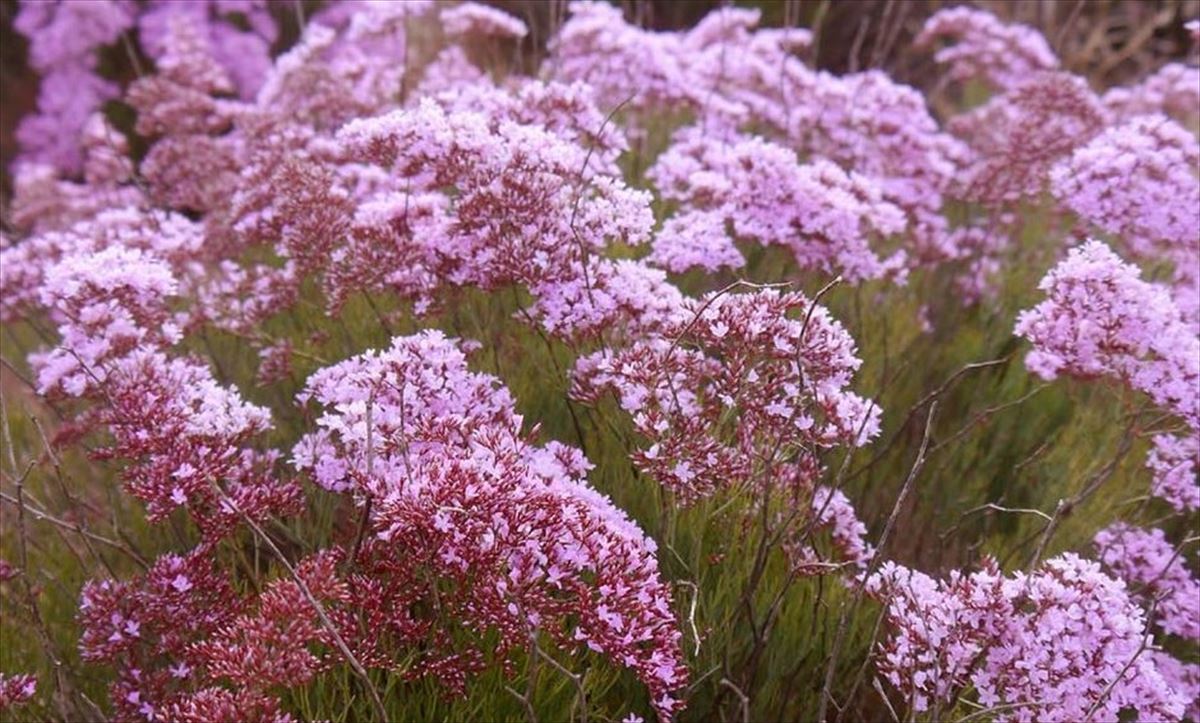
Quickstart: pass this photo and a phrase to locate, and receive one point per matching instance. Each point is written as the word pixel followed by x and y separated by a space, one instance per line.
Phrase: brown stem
pixel 839 638
pixel 361 672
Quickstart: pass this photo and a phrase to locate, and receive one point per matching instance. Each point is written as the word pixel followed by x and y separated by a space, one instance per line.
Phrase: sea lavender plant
pixel 272 190
pixel 1061 643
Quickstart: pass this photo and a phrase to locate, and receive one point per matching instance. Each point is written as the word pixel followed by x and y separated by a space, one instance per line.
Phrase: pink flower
pixel 827 218
pixel 1137 181
pixel 1016 138
pixel 1101 319
pixel 1173 89
pixel 511 534
pixel 1055 644
pixel 16 690
pixel 1150 564
pixel 1175 464
pixel 740 382
pixel 473 19
pixel 984 48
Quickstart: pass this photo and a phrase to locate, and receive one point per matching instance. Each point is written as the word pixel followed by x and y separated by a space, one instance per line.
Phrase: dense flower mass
pixel 1063 643
pixel 1145 560
pixel 1183 677
pixel 1173 89
pixel 513 538
pixel 1150 208
pixel 64 38
pixel 180 429
pixel 1017 137
pixel 823 215
pixel 376 360
pixel 780 362
pixel 146 627
pixel 1155 160
pixel 1175 463
pixel 1101 319
pixel 832 510
pixel 530 208
pixel 111 302
pixel 985 48
pixel 471 18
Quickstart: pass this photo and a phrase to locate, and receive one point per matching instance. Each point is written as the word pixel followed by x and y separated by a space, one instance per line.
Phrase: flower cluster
pixel 505 535
pixel 1101 319
pixel 1182 677
pixel 1157 572
pixel 823 215
pixel 1062 643
pixel 240 33
pixel 1017 137
pixel 110 303
pixel 732 74
pixel 1152 566
pixel 181 430
pixel 832 510
pixel 182 435
pixel 472 19
pixel 282 643
pixel 16 690
pixel 986 49
pixel 782 363
pixel 1137 182
pixel 146 626
pixel 529 204
pixel 624 63
pixel 1175 464
pixel 189 167
pixel 1173 90
pixel 529 209
pixel 1155 161
pixel 167 237
pixel 64 39
pixel 872 125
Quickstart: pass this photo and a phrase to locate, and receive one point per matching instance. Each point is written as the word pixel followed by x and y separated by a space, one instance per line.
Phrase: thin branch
pixel 839 639
pixel 376 702
pixel 62 684
pixel 725 682
pixel 47 517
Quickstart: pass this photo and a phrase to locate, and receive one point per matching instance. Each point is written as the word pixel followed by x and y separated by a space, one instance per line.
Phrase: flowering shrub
pixel 776 361
pixel 64 39
pixel 1156 160
pixel 985 48
pixel 1062 643
pixel 513 539
pixel 821 214
pixel 1100 319
pixel 401 361
pixel 1144 558
pixel 1019 135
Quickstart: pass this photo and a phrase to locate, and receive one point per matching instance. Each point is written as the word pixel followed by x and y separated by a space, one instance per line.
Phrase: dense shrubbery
pixel 379 377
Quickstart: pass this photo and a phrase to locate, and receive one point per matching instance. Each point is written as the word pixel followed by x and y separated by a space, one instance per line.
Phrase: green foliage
pixel 999 436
